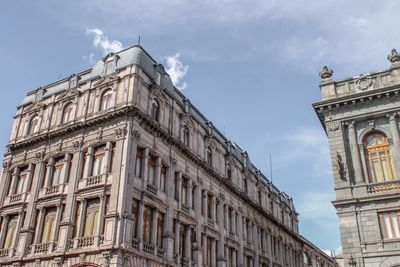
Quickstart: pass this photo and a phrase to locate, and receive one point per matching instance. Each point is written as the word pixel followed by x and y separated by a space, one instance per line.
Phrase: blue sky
pixel 250 66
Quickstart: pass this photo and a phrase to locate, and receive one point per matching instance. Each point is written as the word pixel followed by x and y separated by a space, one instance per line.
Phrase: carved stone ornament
pixel 77 144
pixel 371 125
pixel 39 156
pixel 172 160
pixel 82 257
pixel 120 132
pixel 333 126
pixel 99 135
pixel 339 168
pixel 37 101
pixel 325 73
pixel 59 261
pixel 394 56
pixel 6 165
pixel 71 91
pixel 108 79
pixel 364 82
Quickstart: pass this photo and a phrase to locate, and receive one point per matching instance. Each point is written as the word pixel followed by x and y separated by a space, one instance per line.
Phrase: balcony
pixel 152 189
pixel 383 187
pixel 148 248
pixel 95 181
pixel 16 198
pixel 54 190
pixel 39 248
pixel 85 242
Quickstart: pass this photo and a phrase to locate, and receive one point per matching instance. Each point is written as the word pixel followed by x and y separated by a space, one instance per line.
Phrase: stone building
pixel 360 116
pixel 113 166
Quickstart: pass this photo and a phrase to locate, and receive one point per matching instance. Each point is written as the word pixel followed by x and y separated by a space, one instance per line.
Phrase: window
pixel 49 225
pixel 390 224
pixel 152 170
pixel 11 231
pixel 21 180
pixel 209 206
pixel 147 219
pixel 379 158
pixel 34 125
pixel 186 135
pixel 57 172
pixel 98 161
pixel 209 156
pixel 106 100
pixel 139 162
pixel 92 217
pixel 245 186
pixel 155 110
pixel 67 113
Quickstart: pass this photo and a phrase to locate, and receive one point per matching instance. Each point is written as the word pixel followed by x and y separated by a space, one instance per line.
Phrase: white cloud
pixel 100 40
pixel 317 207
pixel 176 70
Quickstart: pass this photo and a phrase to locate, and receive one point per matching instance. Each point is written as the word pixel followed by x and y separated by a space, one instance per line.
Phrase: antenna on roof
pixel 270 166
pixel 139 40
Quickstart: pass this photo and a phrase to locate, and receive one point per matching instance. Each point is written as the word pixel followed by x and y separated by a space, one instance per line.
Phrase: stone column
pixel 197 248
pixel 178 190
pixel 177 240
pixel 205 199
pixel 4 228
pixel 154 217
pixel 145 172
pixel 234 223
pixel 256 245
pixel 14 178
pixel 5 182
pixel 39 227
pixel 82 217
pixel 241 239
pixel 221 260
pixel 234 255
pixel 227 220
pixel 28 181
pixel 213 256
pixel 139 228
pixel 188 244
pixel 189 194
pixel 158 173
pixel 214 208
pixel 106 164
pixel 355 154
pixel 396 138
pixel 67 168
pixel 89 162
pixel 169 237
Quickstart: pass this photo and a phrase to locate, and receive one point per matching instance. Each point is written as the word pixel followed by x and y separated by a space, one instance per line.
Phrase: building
pixel 360 118
pixel 113 166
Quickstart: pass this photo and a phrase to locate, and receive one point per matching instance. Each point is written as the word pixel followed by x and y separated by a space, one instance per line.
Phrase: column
pixel 81 226
pixel 49 172
pixel 188 244
pixel 177 233
pixel 14 178
pixel 205 248
pixel 178 190
pixel 205 207
pixel 106 165
pixel 355 154
pixel 3 231
pixel 145 172
pixel 213 256
pixel 39 227
pixel 189 194
pixel 89 162
pixel 169 237
pixel 154 219
pixel 255 245
pixel 66 169
pixel 28 181
pixel 197 200
pixel 240 234
pixel 396 138
pixel 140 223
pixel 214 208
pixel 221 261
pixel 57 225
pixel 100 222
pixel 234 223
pixel 227 220
pixel 158 173
pixel 197 248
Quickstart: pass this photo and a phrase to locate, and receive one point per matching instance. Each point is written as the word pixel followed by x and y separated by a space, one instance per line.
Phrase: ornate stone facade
pixel 114 167
pixel 361 118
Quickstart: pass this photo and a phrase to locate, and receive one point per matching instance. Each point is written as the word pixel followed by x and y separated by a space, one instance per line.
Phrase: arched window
pixel 34 125
pixel 67 113
pixel 209 156
pixel 186 135
pixel 379 158
pixel 155 110
pixel 106 100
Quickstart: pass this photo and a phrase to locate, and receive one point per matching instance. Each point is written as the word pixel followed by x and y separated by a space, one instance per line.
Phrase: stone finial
pixel 325 73
pixel 394 56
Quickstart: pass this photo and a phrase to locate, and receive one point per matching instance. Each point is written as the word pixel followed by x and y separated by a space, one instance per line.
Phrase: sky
pixel 251 67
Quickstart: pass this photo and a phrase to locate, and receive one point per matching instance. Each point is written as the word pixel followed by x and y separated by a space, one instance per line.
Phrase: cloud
pixel 101 41
pixel 176 70
pixel 317 207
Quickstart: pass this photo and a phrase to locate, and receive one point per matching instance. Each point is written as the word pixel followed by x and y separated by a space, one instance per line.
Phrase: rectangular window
pixel 160 226
pixel 139 162
pixel 147 219
pixel 390 224
pixel 98 161
pixel 184 190
pixel 112 156
pixel 58 171
pixel 11 231
pixel 92 217
pixel 49 225
pixel 21 180
pixel 152 170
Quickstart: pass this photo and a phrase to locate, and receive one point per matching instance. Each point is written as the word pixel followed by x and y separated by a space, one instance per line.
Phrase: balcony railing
pixel 160 252
pixel 135 243
pixel 84 242
pixel 93 180
pixel 152 189
pixel 15 198
pixel 4 252
pixel 53 190
pixel 148 248
pixel 40 248
pixel 382 187
pixel 185 208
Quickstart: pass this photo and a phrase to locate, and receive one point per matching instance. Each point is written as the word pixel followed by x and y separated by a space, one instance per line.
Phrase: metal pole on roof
pixel 270 166
pixel 139 40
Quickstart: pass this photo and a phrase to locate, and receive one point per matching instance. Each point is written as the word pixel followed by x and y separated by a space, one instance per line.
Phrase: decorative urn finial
pixel 325 73
pixel 394 56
